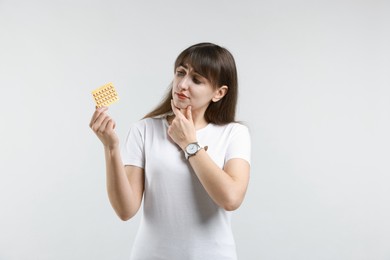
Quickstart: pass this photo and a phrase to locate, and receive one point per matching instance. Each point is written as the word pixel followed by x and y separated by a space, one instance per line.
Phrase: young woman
pixel 187 159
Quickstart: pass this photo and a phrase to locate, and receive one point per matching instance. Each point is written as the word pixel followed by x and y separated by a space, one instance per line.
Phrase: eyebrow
pixel 193 71
pixel 183 65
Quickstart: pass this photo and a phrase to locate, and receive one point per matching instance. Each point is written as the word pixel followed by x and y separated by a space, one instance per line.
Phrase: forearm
pixel 119 190
pixel 224 189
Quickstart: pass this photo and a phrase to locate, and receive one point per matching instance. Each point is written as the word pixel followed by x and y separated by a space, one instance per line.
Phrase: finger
pixel 189 113
pixel 98 122
pixel 110 124
pixel 96 115
pixel 103 126
pixel 175 110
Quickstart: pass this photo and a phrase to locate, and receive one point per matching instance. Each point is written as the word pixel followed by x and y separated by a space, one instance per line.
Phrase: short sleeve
pixel 240 144
pixel 133 150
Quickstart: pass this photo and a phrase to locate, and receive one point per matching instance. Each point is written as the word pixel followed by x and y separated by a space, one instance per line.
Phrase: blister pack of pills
pixel 105 95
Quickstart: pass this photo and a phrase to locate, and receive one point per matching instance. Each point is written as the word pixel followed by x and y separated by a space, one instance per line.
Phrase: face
pixel 190 88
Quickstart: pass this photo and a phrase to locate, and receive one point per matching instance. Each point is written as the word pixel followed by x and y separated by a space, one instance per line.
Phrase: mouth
pixel 181 95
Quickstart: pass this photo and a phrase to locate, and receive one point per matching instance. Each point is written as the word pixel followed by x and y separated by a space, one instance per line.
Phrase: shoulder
pixel 236 126
pixel 147 127
pixel 149 122
pixel 231 128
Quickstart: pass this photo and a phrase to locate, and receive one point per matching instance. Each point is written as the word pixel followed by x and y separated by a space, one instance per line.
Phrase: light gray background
pixel 314 79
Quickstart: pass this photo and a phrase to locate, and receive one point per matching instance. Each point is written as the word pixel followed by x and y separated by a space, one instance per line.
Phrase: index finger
pixel 175 110
pixel 96 114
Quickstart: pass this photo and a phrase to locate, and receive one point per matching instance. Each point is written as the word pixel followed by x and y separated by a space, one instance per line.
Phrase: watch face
pixel 192 148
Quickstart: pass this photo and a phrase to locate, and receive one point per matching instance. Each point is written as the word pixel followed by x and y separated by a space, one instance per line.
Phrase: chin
pixel 179 104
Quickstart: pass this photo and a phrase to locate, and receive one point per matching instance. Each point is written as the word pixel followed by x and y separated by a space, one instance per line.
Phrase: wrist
pixel 184 145
pixel 192 149
pixel 111 148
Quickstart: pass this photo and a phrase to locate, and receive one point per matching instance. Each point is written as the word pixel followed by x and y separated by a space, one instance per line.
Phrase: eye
pixel 180 72
pixel 196 80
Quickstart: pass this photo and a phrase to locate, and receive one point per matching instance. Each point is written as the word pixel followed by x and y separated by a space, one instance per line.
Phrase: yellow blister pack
pixel 105 95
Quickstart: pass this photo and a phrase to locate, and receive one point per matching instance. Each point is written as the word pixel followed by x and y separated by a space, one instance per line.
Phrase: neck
pixel 198 119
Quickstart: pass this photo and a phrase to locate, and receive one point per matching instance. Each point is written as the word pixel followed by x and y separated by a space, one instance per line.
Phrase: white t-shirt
pixel 180 221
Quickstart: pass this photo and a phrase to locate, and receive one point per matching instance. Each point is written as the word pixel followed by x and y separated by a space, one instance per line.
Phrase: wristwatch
pixel 191 149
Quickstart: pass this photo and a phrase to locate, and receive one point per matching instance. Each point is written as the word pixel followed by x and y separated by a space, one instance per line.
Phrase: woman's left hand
pixel 182 129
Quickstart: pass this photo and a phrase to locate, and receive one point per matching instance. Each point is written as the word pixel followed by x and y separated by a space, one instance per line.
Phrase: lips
pixel 181 95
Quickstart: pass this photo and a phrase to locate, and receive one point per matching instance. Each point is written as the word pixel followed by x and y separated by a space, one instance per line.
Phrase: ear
pixel 220 93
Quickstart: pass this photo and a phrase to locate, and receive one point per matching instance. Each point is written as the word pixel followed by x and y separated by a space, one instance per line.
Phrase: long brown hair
pixel 217 65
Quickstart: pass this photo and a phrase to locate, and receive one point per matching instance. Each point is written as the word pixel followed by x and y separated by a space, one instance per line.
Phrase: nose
pixel 184 83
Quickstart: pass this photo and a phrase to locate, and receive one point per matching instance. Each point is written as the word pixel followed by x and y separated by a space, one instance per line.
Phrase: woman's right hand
pixel 103 126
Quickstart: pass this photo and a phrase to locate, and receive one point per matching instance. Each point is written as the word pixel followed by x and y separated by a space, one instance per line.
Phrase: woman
pixel 188 159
